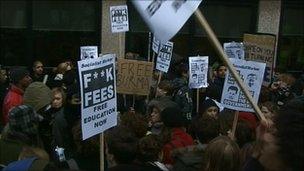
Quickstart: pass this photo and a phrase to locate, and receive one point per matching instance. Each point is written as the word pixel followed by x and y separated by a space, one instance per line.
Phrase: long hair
pixel 222 154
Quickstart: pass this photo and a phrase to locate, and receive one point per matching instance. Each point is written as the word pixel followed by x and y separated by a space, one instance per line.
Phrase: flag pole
pixel 197 100
pixel 101 139
pixel 235 120
pixel 215 42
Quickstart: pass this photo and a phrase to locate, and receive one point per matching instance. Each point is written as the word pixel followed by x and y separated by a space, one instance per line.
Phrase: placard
pixel 98 95
pixel 260 48
pixel 198 71
pixel 252 75
pixel 235 50
pixel 88 52
pixel 165 18
pixel 119 18
pixel 133 77
pixel 164 57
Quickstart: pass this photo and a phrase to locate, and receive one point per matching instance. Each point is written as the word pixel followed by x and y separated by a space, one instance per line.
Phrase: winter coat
pixel 13 98
pixel 182 95
pixel 179 139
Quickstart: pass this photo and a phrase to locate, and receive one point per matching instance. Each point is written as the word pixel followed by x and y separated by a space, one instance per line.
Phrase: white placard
pixel 235 50
pixel 98 95
pixel 119 18
pixel 164 57
pixel 165 18
pixel 252 75
pixel 198 71
pixel 88 52
pixel 155 45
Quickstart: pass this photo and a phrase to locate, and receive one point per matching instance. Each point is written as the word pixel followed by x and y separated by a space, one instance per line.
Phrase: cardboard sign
pixel 119 18
pixel 88 52
pixel 261 48
pixel 133 77
pixel 164 57
pixel 98 95
pixel 198 71
pixel 234 50
pixel 165 18
pixel 252 75
pixel 155 45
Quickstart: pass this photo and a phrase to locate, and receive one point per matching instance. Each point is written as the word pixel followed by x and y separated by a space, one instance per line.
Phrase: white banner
pixel 235 50
pixel 88 52
pixel 164 57
pixel 98 95
pixel 252 75
pixel 119 18
pixel 165 18
pixel 155 45
pixel 198 71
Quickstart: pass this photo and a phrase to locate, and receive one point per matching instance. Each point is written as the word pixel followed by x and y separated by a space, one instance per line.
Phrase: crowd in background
pixel 41 125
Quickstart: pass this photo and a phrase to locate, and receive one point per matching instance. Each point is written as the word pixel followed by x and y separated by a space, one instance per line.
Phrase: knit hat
pixel 37 95
pixel 172 117
pixel 206 104
pixel 17 74
pixel 22 119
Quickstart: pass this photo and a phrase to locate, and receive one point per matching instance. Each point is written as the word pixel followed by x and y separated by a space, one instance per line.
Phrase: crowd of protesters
pixel 41 125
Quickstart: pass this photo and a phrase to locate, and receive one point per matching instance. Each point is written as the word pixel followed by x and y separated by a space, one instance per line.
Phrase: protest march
pixel 151 85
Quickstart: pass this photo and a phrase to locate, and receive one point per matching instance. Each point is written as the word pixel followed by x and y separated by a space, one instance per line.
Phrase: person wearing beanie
pixel 20 80
pixel 174 133
pixel 209 108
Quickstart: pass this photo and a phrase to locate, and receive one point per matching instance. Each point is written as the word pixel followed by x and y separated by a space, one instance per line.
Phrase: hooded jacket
pixel 37 95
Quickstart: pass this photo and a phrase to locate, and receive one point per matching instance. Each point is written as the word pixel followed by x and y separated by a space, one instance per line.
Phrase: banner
pixel 165 18
pixel 155 45
pixel 133 77
pixel 98 95
pixel 252 75
pixel 88 52
pixel 234 50
pixel 261 48
pixel 119 18
pixel 198 68
pixel 164 57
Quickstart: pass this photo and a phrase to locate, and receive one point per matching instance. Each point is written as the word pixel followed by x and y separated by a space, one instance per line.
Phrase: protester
pixel 21 131
pixel 37 74
pixel 209 108
pixel 174 133
pixel 222 154
pixel 57 79
pixel 157 105
pixel 20 79
pixel 65 119
pixel 269 110
pixel 149 153
pixel 182 94
pixel 121 149
pixel 215 88
pixel 135 122
pixel 281 147
pixel 3 90
pixel 281 89
pixel 191 158
pixel 55 109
